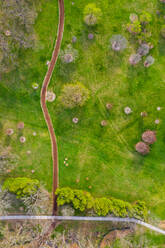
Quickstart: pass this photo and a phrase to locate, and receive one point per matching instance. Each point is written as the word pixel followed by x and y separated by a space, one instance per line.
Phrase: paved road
pixel 43 101
pixel 79 218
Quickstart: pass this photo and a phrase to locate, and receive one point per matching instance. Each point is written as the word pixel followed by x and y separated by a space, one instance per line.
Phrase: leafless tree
pixel 16 30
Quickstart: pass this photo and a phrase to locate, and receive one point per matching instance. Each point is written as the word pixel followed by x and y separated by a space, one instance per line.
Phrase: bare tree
pixel 16 29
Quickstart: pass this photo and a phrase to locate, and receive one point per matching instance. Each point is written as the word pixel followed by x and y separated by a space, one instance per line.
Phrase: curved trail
pixel 43 101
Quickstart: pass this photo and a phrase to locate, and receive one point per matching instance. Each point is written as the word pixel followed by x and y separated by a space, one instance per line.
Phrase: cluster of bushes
pixel 21 186
pixel 140 29
pixel 84 201
pixel 24 192
pixel 139 26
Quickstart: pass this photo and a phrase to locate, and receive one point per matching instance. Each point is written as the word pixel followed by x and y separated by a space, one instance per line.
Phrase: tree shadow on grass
pixel 7 141
pixel 161 7
pixel 161 47
pixel 19 133
pixel 136 77
pixel 138 161
pixel 1 127
pixel 115 59
pixel 65 71
pixel 83 35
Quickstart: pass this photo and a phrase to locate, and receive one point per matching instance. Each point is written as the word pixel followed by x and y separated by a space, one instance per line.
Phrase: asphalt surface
pixel 80 218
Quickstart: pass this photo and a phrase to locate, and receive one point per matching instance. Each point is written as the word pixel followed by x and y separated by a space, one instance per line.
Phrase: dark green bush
pixel 82 201
pixel 21 186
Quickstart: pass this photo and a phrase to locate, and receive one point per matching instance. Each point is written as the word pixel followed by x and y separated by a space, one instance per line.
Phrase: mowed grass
pixel 105 155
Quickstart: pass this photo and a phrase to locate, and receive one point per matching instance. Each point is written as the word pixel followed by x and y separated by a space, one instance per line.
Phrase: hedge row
pixel 83 201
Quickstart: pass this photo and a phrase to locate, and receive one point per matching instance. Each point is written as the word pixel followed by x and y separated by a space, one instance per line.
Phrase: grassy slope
pixel 105 155
pixel 145 240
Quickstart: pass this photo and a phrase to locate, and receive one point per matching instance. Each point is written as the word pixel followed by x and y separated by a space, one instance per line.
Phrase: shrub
pixel 74 95
pixel 142 148
pixel 149 61
pixel 134 59
pixel 163 31
pixel 145 17
pixel 134 28
pixel 65 195
pixel 83 201
pixel 118 42
pixel 21 186
pixel 9 131
pixel 50 96
pixel 149 137
pixel 140 210
pixel 121 208
pixel 80 199
pixel 143 49
pixel 92 14
pixel 103 123
pixel 102 206
pixel 127 110
pixel 145 37
pixel 137 27
pixel 133 17
pixel 35 86
pixel 68 55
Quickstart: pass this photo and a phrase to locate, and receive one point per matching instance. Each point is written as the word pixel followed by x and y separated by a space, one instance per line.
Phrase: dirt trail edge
pixel 43 101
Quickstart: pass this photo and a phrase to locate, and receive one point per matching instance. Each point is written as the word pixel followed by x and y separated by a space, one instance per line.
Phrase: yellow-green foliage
pixel 92 14
pixel 102 206
pixel 140 209
pixel 134 28
pixel 74 95
pixel 82 201
pixel 145 17
pixel 21 186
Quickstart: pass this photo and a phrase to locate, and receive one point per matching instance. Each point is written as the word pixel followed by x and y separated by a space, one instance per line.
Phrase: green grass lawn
pixel 105 155
pixel 145 240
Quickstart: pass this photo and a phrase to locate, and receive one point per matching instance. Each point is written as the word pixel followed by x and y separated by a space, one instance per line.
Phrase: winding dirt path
pixel 43 102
